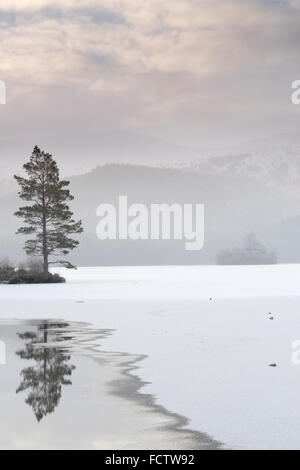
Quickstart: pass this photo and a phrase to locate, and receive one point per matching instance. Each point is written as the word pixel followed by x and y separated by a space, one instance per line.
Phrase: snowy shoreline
pixel 165 282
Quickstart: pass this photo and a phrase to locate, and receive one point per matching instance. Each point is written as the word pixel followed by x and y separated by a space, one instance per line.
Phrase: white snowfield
pixel 208 336
pixel 167 282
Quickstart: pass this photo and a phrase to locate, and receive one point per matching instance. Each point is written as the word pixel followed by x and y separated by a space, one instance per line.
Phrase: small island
pixel 47 218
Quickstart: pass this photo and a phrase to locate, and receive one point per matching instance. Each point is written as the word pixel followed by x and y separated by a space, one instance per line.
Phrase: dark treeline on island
pixel 252 252
pixel 30 272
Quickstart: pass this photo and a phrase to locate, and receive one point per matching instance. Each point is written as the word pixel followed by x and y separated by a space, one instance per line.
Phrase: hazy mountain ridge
pixel 76 155
pixel 235 204
pixel 256 190
pixel 272 161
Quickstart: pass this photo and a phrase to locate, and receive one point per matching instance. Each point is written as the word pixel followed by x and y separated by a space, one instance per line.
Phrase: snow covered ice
pixel 206 336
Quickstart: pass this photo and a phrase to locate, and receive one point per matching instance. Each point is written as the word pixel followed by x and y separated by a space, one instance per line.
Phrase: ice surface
pixel 166 282
pixel 207 359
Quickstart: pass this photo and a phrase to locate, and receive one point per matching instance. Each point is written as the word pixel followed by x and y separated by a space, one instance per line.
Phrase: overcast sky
pixel 200 73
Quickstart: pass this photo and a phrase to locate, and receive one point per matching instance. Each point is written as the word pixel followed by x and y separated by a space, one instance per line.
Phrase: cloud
pixel 184 64
pixel 148 36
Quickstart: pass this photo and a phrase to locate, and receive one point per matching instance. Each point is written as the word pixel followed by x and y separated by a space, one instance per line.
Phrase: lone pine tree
pixel 48 217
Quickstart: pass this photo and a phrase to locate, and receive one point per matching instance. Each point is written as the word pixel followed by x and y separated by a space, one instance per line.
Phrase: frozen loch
pixel 153 357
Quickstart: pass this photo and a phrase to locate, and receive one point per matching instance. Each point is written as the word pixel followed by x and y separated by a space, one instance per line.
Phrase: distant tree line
pixel 251 252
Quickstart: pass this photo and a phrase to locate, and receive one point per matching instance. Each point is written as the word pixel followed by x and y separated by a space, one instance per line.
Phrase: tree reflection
pixel 51 369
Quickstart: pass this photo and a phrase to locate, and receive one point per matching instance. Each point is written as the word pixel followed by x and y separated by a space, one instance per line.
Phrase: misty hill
pixel 235 204
pixel 273 161
pixel 78 152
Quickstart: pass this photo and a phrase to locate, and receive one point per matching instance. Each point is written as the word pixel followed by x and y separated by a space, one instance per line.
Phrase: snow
pixel 207 359
pixel 166 282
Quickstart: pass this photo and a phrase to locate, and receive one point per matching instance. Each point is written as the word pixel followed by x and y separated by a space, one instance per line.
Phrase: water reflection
pixel 106 406
pixel 51 369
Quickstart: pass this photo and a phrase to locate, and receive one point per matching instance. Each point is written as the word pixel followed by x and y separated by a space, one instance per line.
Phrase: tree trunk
pixel 45 247
pixel 45 356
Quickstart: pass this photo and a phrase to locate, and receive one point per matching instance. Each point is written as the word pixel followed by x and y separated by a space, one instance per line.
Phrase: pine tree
pixel 48 217
pixel 49 370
